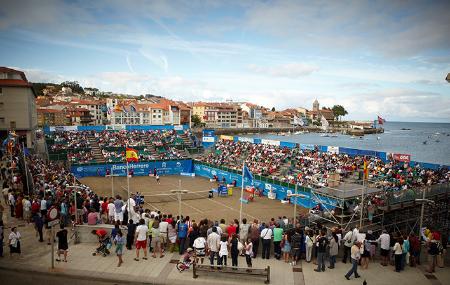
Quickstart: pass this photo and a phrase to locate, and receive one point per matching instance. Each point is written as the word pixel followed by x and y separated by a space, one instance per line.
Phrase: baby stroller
pixel 104 247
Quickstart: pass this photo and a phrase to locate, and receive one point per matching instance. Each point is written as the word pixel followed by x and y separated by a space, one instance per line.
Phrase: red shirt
pixel 101 233
pixel 231 230
pixel 105 207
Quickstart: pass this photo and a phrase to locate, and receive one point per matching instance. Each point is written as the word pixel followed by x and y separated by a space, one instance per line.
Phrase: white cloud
pixel 289 70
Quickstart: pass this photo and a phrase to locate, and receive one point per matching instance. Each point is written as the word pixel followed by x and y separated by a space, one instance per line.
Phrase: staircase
pixel 186 140
pixel 96 149
pixel 149 144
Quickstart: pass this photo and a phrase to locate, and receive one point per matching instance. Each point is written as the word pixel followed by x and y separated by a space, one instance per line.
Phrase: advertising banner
pixel 242 139
pixel 208 138
pixel 270 142
pixel 226 138
pixel 168 167
pixel 402 157
pixel 307 146
pixel 333 149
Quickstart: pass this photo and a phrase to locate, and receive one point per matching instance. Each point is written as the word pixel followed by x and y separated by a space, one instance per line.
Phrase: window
pixel 2 105
pixel 159 116
pixel 2 121
pixel 1 91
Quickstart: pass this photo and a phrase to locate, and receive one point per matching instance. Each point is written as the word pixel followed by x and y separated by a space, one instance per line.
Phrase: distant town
pixel 69 104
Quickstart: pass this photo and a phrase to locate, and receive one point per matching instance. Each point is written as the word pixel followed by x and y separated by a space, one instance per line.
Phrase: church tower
pixel 316 105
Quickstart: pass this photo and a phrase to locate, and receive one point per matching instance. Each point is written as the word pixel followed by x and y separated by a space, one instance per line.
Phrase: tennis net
pixel 173 197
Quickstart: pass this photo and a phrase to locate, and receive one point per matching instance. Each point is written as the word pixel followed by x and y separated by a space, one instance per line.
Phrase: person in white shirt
pixel 223 251
pixel 111 211
pixel 213 242
pixel 26 209
pixel 349 240
pixel 355 255
pixel 141 239
pixel 266 236
pixel 398 254
pixel 11 203
pixel 200 248
pixel 385 241
pixel 163 231
pixel 14 241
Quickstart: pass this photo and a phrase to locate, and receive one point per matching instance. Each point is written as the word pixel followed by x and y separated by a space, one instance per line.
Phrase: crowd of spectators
pixel 311 168
pixel 151 145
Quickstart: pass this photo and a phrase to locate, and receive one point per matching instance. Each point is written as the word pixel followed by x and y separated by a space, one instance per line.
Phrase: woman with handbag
pixel 14 241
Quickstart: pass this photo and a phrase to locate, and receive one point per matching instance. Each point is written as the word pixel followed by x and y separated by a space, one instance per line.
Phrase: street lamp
pixel 423 201
pixel 75 195
pixel 179 192
pixel 295 202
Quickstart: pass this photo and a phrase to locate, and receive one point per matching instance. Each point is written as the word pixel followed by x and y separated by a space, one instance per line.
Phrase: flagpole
pixel 362 197
pixel 128 183
pixel 25 165
pixel 242 192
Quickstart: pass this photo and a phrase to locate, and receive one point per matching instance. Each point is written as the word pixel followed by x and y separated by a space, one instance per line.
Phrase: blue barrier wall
pixel 169 167
pixel 209 172
pixel 127 127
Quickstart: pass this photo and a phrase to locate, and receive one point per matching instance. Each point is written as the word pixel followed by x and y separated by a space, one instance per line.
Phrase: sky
pixel 387 58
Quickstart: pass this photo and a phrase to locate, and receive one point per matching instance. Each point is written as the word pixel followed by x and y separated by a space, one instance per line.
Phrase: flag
pixel 124 109
pixel 118 108
pixel 381 120
pixel 132 155
pixel 132 109
pixel 247 174
pixel 366 170
pixel 109 111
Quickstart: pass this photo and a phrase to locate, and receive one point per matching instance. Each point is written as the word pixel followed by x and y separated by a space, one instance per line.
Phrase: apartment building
pixel 51 117
pixel 17 106
pixel 223 115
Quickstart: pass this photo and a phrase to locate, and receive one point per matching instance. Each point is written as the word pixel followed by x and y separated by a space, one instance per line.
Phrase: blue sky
pixel 373 57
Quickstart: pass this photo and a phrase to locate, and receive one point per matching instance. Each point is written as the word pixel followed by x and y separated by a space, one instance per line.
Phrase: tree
pixel 196 121
pixel 339 111
pixel 273 109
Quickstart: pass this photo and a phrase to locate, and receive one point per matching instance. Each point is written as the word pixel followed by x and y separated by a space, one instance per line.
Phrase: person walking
pixel 38 226
pixel 398 253
pixel 63 244
pixel 322 243
pixel 334 249
pixel 14 241
pixel 141 239
pixel 308 246
pixel 131 229
pixel 120 241
pixel 348 243
pixel 213 242
pixel 355 256
pixel 266 236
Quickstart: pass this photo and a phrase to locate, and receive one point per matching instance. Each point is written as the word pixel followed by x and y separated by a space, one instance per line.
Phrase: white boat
pixel 325 135
pixel 299 133
pixel 353 137
pixel 334 136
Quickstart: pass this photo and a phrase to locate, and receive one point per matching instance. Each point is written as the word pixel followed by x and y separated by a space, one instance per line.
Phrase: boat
pixel 299 133
pixel 405 129
pixel 325 135
pixel 425 142
pixel 437 134
pixel 353 137
pixel 378 138
pixel 333 136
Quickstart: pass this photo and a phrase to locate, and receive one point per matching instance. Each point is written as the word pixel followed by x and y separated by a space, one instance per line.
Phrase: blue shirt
pixel 182 230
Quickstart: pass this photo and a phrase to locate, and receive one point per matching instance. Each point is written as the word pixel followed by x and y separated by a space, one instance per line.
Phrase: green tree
pixel 273 109
pixel 196 121
pixel 339 111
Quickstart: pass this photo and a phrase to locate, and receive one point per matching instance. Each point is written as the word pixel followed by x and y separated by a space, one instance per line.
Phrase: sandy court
pixel 216 208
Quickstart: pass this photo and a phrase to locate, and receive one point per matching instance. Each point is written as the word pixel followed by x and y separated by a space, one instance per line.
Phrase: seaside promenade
pixel 34 267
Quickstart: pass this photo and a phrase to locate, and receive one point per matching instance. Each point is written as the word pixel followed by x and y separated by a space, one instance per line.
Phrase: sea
pixel 425 142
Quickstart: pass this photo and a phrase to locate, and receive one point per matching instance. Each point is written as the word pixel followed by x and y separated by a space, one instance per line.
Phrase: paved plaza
pixel 34 266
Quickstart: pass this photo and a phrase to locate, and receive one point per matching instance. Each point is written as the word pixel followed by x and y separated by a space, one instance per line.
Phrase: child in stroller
pixel 104 242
